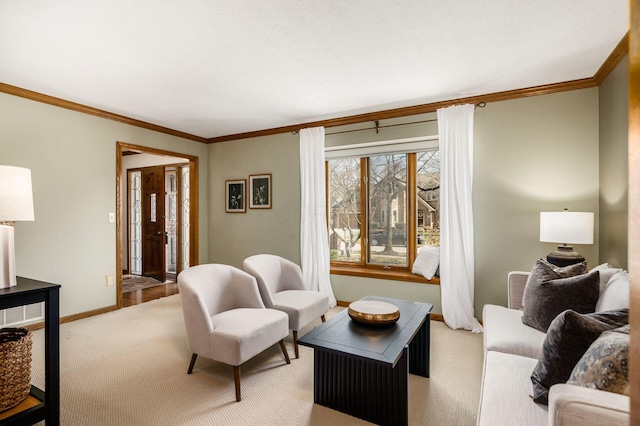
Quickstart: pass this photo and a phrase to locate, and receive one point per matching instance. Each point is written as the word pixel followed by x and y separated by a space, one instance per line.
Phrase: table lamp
pixel 566 228
pixel 16 204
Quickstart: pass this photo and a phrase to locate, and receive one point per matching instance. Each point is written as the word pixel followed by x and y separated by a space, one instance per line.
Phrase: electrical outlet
pixel 109 280
pixel 112 217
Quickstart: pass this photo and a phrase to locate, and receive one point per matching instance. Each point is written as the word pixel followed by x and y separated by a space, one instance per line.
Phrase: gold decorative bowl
pixel 373 312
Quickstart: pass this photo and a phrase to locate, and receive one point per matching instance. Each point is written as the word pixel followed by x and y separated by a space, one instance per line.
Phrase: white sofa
pixel 511 351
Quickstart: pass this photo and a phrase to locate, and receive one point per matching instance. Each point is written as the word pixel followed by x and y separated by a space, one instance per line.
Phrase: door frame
pixel 193 206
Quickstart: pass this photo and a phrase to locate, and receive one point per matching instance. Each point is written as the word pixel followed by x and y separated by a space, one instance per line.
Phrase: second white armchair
pixel 282 287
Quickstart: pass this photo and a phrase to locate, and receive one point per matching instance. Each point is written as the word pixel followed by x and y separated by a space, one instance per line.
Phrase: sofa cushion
pixel 606 272
pixel 546 299
pixel 505 392
pixel 569 336
pixel 505 332
pixel 301 306
pixel 615 294
pixel 605 365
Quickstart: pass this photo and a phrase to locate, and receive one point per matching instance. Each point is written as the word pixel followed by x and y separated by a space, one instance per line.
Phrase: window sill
pixel 397 275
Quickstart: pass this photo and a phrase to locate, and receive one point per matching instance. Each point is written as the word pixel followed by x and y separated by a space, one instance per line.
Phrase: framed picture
pixel 260 191
pixel 235 196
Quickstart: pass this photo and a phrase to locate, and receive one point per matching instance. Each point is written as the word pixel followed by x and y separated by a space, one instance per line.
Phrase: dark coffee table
pixel 363 370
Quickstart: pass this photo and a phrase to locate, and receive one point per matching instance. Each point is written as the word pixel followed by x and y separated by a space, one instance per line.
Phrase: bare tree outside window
pixel 344 210
pixel 387 193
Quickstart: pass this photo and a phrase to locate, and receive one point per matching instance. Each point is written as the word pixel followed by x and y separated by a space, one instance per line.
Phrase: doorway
pixel 156 221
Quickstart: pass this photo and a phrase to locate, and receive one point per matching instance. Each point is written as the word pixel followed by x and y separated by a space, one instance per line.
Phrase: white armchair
pixel 225 318
pixel 282 287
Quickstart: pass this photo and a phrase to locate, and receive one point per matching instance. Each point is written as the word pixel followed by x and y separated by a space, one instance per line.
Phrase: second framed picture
pixel 260 191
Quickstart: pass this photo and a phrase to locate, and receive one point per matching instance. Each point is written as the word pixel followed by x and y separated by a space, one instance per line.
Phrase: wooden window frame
pixel 369 270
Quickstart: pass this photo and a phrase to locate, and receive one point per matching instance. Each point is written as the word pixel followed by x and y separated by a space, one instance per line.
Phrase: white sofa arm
pixel 571 405
pixel 516 282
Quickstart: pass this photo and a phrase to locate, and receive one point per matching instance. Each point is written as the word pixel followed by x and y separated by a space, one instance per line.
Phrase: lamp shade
pixel 566 227
pixel 16 195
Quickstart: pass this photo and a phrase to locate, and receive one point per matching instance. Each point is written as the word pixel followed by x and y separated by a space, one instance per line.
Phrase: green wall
pixel 72 157
pixel 531 155
pixel 235 236
pixel 614 134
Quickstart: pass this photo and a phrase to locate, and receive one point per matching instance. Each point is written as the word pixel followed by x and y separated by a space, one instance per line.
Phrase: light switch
pixel 112 217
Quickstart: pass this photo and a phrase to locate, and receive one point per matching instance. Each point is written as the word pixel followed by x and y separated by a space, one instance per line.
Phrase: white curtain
pixel 455 129
pixel 314 242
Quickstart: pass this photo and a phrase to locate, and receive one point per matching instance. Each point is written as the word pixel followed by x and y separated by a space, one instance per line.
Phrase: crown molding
pixel 609 64
pixel 40 97
pixel 620 51
pixel 417 109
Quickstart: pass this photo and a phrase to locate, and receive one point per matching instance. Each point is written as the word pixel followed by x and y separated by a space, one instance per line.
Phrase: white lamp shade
pixel 16 195
pixel 566 227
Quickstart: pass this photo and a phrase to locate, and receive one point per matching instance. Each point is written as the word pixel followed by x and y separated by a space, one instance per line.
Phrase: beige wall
pixel 614 119
pixel 531 155
pixel 73 161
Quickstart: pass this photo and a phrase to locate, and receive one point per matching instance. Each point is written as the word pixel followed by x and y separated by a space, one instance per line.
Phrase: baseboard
pixel 74 317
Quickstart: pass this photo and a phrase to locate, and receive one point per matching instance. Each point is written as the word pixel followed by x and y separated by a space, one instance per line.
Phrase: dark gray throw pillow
pixel 544 271
pixel 545 300
pixel 568 338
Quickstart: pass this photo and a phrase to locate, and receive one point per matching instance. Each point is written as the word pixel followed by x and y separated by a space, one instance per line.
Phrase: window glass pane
pixel 135 225
pixel 171 221
pixel 154 207
pixel 428 198
pixel 344 210
pixel 387 176
pixel 184 205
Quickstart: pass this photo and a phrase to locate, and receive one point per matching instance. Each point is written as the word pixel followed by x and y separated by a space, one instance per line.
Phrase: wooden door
pixel 153 227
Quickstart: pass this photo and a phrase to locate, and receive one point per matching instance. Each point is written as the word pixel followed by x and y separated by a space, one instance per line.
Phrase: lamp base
pixel 564 256
pixel 7 257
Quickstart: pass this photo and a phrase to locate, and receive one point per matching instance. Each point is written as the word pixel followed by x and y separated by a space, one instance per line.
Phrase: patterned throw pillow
pixel 605 365
pixel 546 299
pixel 568 338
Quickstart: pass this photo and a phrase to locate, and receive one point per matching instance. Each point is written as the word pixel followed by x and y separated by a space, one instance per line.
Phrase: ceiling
pixel 212 68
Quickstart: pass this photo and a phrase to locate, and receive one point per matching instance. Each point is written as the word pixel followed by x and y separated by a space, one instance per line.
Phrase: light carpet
pixel 129 367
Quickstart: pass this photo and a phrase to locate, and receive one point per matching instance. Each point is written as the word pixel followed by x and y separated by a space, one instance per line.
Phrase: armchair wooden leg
pixel 323 318
pixel 295 343
pixel 284 351
pixel 236 374
pixel 193 361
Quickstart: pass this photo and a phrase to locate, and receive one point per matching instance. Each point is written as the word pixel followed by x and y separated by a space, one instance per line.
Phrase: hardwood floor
pixel 147 294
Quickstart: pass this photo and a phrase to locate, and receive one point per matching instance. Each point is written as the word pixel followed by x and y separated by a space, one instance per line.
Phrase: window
pixel 382 208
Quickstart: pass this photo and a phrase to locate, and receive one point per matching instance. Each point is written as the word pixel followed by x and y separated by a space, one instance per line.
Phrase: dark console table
pixel 363 370
pixel 40 405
